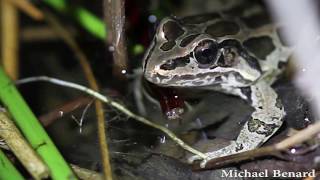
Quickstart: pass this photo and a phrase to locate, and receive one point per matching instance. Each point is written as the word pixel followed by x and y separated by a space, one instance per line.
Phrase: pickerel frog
pixel 233 54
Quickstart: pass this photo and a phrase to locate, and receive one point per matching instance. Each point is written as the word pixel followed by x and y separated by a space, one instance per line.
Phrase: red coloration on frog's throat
pixel 169 99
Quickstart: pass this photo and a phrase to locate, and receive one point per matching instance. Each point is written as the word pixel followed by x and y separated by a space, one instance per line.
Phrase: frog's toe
pixel 208 157
pixel 194 158
pixel 203 160
pixel 203 163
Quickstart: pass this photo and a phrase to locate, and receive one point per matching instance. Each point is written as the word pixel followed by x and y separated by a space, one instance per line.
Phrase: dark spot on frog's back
pixel 172 30
pixel 168 45
pixel 188 39
pixel 268 129
pixel 236 11
pixel 261 46
pixel 254 124
pixel 222 28
pixel 252 62
pixel 257 20
pixel 198 19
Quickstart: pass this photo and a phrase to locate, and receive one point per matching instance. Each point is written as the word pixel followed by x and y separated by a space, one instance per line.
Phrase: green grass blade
pixel 59 5
pixel 90 22
pixel 7 170
pixel 32 129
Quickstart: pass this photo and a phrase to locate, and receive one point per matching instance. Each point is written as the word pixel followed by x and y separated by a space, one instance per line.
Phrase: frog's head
pixel 184 55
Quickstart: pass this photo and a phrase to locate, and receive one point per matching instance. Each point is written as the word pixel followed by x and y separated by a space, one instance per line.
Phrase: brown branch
pixel 66 108
pixel 235 158
pixel 299 137
pixel 114 15
pixel 65 35
pixel 27 8
pixel 41 33
pixel 272 150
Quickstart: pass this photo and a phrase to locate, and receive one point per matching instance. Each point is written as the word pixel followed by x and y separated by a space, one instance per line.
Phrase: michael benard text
pixel 267 173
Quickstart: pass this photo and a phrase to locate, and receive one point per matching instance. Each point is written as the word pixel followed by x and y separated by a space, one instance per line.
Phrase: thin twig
pixel 64 109
pixel 27 156
pixel 84 112
pixel 114 104
pixel 301 136
pixel 66 36
pixel 28 8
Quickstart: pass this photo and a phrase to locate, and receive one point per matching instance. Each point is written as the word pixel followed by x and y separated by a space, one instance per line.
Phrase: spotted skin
pixel 222 28
pixel 227 52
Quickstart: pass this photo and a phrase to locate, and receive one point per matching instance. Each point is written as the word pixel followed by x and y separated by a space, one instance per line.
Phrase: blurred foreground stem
pixel 21 149
pixel 8 171
pixel 32 130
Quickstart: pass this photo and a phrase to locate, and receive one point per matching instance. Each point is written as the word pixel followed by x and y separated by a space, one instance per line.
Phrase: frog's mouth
pixel 206 79
pixel 181 91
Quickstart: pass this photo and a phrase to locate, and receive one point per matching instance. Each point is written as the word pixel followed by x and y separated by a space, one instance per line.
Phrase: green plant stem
pixel 7 170
pixel 32 130
pixel 59 5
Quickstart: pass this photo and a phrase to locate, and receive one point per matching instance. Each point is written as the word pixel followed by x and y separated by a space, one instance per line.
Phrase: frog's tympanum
pixel 236 55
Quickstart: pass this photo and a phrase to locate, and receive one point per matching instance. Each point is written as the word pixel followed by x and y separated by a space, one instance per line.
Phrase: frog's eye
pixel 206 52
pixel 228 58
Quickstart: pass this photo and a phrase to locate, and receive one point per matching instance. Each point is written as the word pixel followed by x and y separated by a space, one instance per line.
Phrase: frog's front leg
pixel 264 122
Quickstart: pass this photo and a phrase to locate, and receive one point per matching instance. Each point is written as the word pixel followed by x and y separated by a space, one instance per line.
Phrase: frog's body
pixel 238 55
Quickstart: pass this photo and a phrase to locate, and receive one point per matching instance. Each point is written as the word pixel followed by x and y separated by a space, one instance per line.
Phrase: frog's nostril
pixel 168 65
